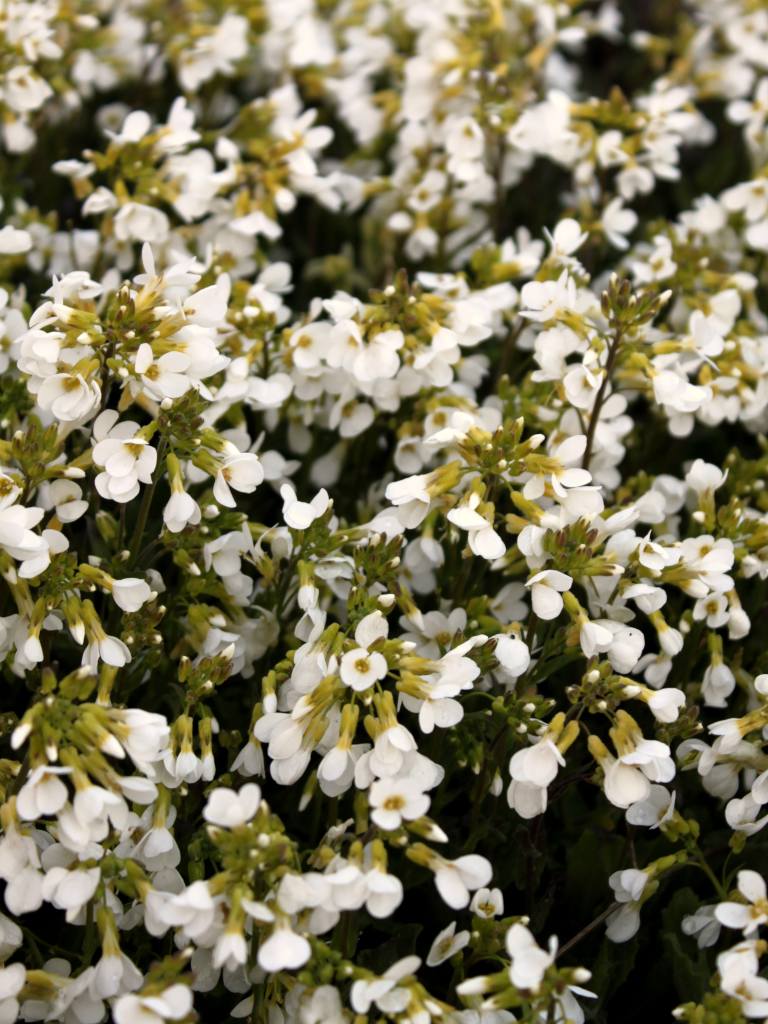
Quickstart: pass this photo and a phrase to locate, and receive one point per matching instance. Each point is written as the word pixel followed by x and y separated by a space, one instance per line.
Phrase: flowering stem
pixel 530 633
pixel 283 588
pixel 701 862
pixel 146 503
pixel 613 351
pixel 588 928
pixel 507 348
pixel 258 1002
pixel 485 777
pixel 90 933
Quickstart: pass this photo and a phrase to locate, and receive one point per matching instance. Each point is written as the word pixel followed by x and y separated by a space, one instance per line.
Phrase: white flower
pixel 665 704
pixel 513 655
pixel 704 925
pixel 284 950
pixel 483 540
pixel 384 893
pixel 193 909
pixel 529 963
pixel 750 915
pixel 126 458
pixel 567 237
pixel 137 222
pixel 19 868
pixel 527 799
pixel 384 992
pixel 181 511
pixel 14 241
pixel 594 638
pixel 626 646
pixel 70 890
pixel 487 903
pixel 300 515
pixel 457 878
pixel 618 222
pixel 446 944
pixel 43 794
pixel 628 887
pixel 546 300
pixel 738 969
pixel 717 685
pixel 546 588
pixel 537 765
pixel 25 90
pixel 378 360
pixel 165 377
pixel 109 649
pixel 67 498
pixel 465 144
pixel 69 397
pixel 114 974
pixel 229 808
pixel 309 345
pixel 672 389
pixel 652 812
pixel 705 478
pixel 214 52
pixel 395 800
pixel 567 475
pixel 360 668
pixel 12 979
pixel 134 127
pixel 231 950
pixel 173 1003
pixel 240 471
pixel 130 593
pixel 16 536
pixel 144 734
pixel 411 498
pixel 624 784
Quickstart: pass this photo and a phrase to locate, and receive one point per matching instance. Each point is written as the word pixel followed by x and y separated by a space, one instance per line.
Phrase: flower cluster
pixel 383 511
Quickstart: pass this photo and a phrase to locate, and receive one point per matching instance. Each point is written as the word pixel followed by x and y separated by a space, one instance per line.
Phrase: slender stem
pixel 701 862
pixel 587 929
pixel 485 777
pixel 600 397
pixel 283 587
pixel 146 502
pixel 507 349
pixel 89 943
pixel 258 1002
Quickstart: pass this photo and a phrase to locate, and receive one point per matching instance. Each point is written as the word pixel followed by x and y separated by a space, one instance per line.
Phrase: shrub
pixel 383 519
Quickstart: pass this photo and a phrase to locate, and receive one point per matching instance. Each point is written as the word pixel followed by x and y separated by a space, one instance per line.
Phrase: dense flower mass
pixel 383 511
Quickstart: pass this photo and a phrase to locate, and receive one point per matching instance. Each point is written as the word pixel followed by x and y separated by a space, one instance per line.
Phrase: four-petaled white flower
pixel 396 800
pixel 361 668
pixel 748 916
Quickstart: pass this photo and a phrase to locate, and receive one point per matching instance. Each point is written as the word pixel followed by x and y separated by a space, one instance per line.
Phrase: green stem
pixel 594 418
pixel 146 503
pixel 485 778
pixel 89 943
pixel 702 863
pixel 587 929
